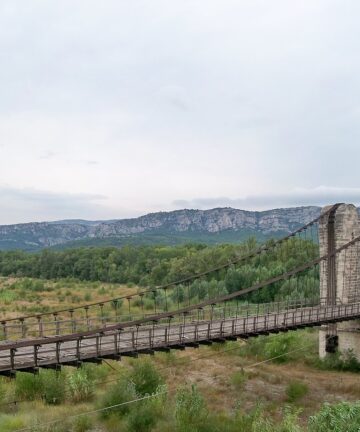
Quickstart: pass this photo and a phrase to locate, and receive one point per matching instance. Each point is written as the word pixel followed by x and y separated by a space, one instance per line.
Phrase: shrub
pixel 190 410
pixel 7 297
pixel 238 380
pixel 81 387
pixel 121 392
pixel 53 384
pixel 342 417
pixel 96 372
pixel 10 423
pixel 87 297
pixel 296 390
pixel 281 348
pixel 142 417
pixel 345 361
pixel 82 424
pixel 28 386
pixel 145 377
pixel 280 345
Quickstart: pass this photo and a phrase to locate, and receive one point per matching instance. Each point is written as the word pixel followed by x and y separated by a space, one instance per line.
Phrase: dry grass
pixel 208 367
pixel 56 295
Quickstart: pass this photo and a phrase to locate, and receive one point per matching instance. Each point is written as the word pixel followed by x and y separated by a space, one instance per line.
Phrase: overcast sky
pixel 112 109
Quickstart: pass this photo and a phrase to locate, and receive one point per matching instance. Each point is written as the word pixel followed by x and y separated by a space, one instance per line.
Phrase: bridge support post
pixel 339 277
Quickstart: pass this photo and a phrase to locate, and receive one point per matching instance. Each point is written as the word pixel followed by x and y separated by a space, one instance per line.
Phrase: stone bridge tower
pixel 339 276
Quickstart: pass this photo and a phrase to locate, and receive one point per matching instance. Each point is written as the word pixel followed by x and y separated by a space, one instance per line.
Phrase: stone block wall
pixel 347 276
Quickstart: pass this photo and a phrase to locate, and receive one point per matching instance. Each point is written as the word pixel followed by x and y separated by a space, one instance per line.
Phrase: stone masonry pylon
pixel 339 277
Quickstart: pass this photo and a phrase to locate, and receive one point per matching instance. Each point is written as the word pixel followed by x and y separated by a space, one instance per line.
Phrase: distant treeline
pixel 155 265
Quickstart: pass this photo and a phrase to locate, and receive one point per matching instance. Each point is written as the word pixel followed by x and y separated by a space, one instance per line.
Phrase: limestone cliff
pixel 192 223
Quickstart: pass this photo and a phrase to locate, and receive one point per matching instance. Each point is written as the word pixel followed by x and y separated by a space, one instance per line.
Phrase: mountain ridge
pixel 209 226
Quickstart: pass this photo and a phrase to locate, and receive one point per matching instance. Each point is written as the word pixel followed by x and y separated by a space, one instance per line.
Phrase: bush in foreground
pixel 145 377
pixel 190 410
pixel 342 417
pixel 118 395
pixel 142 417
pixel 81 387
pixel 296 390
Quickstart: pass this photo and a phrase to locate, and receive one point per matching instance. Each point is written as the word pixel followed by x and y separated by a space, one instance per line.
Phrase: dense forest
pixel 155 265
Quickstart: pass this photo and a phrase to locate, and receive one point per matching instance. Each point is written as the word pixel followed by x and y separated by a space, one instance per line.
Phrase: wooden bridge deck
pixel 52 352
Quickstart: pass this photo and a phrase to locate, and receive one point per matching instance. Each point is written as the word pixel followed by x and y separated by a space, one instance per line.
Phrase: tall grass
pixel 145 377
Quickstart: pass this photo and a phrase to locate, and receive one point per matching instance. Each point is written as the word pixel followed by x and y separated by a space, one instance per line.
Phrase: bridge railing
pixel 72 350
pixel 38 328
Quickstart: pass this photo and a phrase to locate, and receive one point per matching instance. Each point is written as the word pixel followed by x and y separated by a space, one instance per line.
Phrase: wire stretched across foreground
pixel 154 395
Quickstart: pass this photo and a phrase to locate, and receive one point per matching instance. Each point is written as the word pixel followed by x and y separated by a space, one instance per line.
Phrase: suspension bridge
pixel 179 314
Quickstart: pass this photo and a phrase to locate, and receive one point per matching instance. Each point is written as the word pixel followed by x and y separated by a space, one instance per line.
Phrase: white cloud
pixel 318 196
pixel 148 103
pixel 43 205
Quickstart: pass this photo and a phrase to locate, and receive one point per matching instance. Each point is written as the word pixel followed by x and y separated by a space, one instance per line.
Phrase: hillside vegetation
pixel 152 265
pixel 267 384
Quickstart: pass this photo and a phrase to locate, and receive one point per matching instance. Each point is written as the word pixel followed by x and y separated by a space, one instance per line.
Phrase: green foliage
pixel 153 265
pixel 30 285
pixel 296 390
pixel 145 377
pixel 49 385
pixel 82 424
pixel 53 387
pixel 257 420
pixel 7 297
pixel 81 386
pixel 345 361
pixel 142 417
pixel 342 417
pixel 280 348
pixel 118 394
pixel 191 413
pixel 10 423
pixel 28 386
pixel 238 379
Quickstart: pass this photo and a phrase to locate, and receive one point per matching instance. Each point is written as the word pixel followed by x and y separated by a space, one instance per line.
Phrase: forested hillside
pixel 154 265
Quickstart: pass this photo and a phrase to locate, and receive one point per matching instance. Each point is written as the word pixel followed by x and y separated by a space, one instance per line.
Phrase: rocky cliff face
pixel 211 221
pixel 34 236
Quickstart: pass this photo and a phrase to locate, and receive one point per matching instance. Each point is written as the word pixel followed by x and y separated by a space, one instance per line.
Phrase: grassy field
pixel 22 296
pixel 272 383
